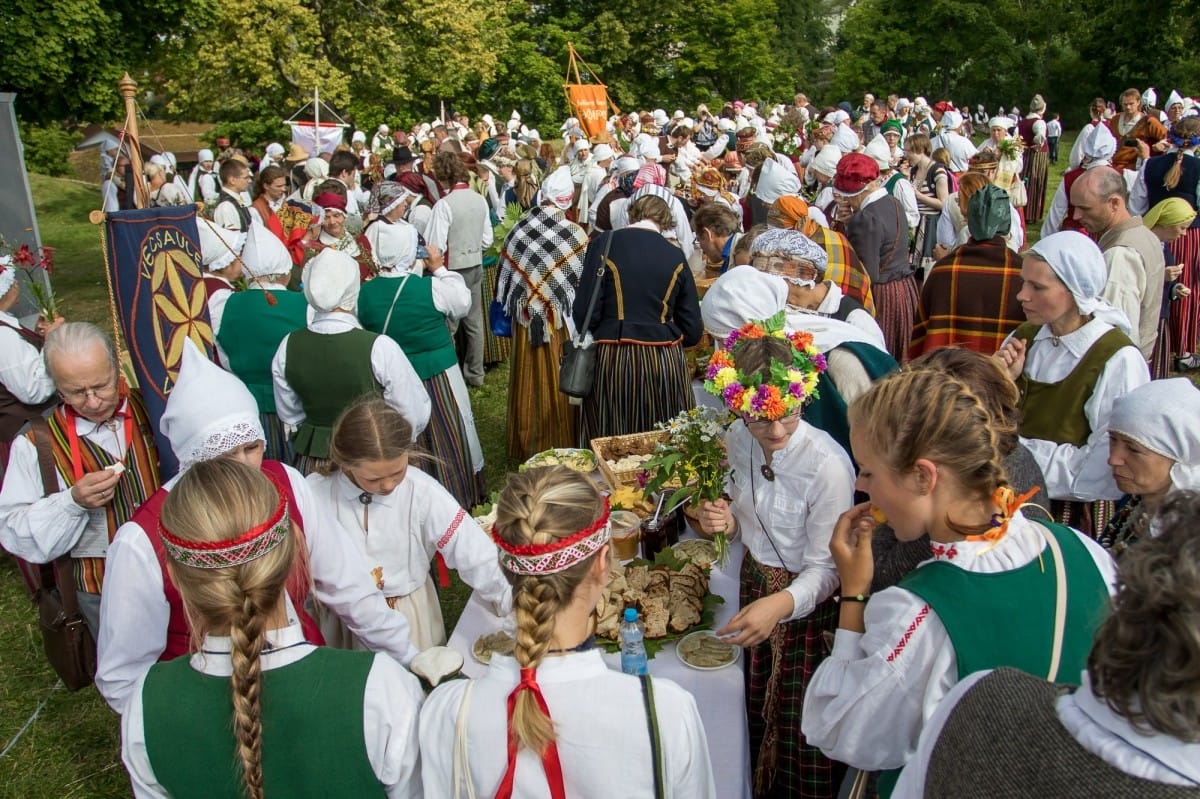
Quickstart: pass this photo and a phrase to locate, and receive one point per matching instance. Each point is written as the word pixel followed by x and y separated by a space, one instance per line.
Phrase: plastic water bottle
pixel 633 646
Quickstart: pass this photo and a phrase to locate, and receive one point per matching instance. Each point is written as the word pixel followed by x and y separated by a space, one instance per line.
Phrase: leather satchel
pixel 68 642
pixel 577 371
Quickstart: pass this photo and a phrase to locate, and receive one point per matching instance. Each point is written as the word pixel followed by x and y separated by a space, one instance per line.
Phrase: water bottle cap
pixel 630 614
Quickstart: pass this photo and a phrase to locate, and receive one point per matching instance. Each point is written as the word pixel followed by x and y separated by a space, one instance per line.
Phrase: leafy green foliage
pixel 47 148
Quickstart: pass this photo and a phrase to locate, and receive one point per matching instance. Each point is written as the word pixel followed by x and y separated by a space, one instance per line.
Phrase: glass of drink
pixel 626 530
pixel 654 537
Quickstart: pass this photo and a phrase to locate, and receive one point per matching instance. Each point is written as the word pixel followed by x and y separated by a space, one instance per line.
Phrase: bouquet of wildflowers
pixel 26 260
pixel 694 457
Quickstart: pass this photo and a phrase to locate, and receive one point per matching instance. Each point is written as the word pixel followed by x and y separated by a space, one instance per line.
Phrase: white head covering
pixel 209 410
pixel 204 155
pixel 1149 97
pixel 1000 122
pixel 1173 99
pixel 1100 144
pixel 951 120
pixel 1164 417
pixel 8 274
pixel 358 136
pixel 1079 264
pixel 602 151
pixel 776 181
pixel 826 160
pixel 219 247
pixel 559 188
pixel 660 117
pixel 316 168
pixel 394 245
pixel 275 149
pixel 644 146
pixel 264 254
pixel 331 281
pixel 160 160
pixel 844 139
pixel 626 164
pixel 741 294
pixel 881 151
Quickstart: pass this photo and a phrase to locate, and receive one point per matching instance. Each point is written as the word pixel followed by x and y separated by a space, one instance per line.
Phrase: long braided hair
pixel 218 500
pixel 1182 132
pixel 538 507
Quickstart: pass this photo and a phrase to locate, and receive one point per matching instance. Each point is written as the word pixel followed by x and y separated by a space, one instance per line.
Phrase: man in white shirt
pixel 461 228
pixel 231 212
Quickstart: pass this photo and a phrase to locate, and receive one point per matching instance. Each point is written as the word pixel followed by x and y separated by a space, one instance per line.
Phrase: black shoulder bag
pixel 577 371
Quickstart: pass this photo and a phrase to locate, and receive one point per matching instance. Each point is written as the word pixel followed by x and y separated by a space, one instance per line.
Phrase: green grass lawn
pixel 72 749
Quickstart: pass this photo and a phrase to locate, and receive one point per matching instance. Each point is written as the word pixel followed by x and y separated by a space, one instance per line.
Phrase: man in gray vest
pixel 1133 254
pixel 461 227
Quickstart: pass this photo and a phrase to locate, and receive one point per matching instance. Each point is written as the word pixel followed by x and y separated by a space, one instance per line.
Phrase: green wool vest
pixel 251 329
pixel 828 411
pixel 330 372
pixel 1007 618
pixel 312 729
pixel 417 326
pixel 1054 411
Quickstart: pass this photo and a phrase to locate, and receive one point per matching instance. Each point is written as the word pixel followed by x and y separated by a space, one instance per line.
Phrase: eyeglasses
pixel 78 396
pixel 764 424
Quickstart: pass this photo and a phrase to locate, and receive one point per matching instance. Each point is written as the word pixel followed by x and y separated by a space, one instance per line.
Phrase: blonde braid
pixel 538 507
pixel 248 634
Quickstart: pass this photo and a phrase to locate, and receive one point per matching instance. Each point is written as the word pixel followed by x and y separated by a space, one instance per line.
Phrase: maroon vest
pixel 14 414
pixel 1069 178
pixel 1025 131
pixel 179 632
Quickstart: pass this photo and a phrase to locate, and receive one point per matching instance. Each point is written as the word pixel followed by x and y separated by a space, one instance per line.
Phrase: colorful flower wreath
pixel 787 389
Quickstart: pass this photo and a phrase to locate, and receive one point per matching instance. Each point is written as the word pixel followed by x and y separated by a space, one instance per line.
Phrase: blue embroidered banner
pixel 154 271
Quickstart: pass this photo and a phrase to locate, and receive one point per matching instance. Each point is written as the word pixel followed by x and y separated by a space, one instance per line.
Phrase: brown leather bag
pixel 68 642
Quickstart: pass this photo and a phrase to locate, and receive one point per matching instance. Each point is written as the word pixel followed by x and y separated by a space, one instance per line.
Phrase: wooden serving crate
pixel 631 443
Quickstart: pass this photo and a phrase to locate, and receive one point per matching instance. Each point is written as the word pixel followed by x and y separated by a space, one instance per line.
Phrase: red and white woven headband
pixel 248 546
pixel 560 555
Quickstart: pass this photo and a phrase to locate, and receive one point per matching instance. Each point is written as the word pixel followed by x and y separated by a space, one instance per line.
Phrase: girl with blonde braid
pixel 1000 590
pixel 574 727
pixel 333 723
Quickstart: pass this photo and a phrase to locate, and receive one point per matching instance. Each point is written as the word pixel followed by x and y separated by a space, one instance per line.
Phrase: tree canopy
pixel 250 62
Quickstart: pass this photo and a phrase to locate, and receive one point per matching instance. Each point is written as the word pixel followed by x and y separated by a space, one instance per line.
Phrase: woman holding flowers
pixel 789 483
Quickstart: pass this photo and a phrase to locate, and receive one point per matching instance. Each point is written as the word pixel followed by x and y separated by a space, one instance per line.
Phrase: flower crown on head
pixel 789 385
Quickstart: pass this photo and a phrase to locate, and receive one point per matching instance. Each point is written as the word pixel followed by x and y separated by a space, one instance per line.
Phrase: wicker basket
pixel 641 442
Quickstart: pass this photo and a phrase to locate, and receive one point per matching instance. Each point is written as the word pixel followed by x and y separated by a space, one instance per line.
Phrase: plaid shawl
pixel 969 299
pixel 540 264
pixel 844 267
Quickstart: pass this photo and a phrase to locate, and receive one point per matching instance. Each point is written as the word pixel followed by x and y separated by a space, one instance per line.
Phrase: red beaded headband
pixel 248 546
pixel 560 555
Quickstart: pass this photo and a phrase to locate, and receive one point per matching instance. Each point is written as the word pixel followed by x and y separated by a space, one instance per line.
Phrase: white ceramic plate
pixel 735 651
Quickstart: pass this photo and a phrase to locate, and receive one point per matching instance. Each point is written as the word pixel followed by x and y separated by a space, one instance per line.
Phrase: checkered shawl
pixel 969 299
pixel 844 267
pixel 540 264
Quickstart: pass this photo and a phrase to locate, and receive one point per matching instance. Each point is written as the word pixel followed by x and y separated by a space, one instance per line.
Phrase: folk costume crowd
pixel 963 476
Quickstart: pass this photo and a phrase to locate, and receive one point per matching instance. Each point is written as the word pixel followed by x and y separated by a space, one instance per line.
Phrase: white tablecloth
pixel 720 694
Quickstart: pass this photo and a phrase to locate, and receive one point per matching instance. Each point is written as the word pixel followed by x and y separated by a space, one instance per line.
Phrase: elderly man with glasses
pixel 101 442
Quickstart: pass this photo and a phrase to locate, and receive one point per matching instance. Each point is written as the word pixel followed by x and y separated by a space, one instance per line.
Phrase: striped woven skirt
pixel 448 442
pixel 1089 518
pixel 777 674
pixel 637 386
pixel 307 465
pixel 896 310
pixel 496 349
pixel 1037 168
pixel 1185 312
pixel 539 415
pixel 278 448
